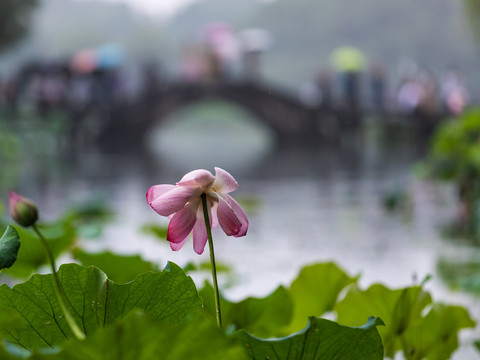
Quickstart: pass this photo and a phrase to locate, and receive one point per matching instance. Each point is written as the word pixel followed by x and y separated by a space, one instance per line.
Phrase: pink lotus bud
pixel 23 210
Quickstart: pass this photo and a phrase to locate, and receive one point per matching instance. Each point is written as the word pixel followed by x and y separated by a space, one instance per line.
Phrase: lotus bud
pixel 23 210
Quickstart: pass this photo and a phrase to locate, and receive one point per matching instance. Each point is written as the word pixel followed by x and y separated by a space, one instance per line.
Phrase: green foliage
pixel 94 301
pixel 321 339
pixel 172 323
pixel 398 308
pixel 262 317
pixel 93 210
pixel 455 150
pixel 408 313
pixel 207 266
pixel 5 355
pixel 60 236
pixel 88 218
pixel 9 245
pixel 14 20
pixel 315 292
pixel 463 276
pixel 82 220
pixel 398 201
pixel 403 313
pixel 118 268
pixel 158 231
pixel 455 156
pixel 435 337
pixel 141 337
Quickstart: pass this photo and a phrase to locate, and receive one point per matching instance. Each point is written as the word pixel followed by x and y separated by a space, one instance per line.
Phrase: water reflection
pixel 208 134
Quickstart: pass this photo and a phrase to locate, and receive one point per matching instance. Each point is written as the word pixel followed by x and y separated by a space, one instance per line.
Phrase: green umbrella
pixel 347 58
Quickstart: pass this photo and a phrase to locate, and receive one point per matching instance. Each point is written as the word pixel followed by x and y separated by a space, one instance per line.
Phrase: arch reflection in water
pixel 211 133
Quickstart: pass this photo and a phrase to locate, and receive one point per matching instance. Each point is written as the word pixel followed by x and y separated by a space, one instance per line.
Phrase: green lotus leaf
pixel 433 336
pixel 6 355
pixel 141 337
pixel 436 337
pixel 315 291
pixel 93 300
pixel 320 340
pixel 118 268
pixel 9 246
pixel 264 317
pixel 32 255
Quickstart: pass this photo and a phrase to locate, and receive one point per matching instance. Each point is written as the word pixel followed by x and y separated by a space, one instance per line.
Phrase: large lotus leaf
pixel 315 291
pixel 32 255
pixel 400 309
pixel 140 337
pixel 4 354
pixel 320 340
pixel 118 268
pixel 94 302
pixel 436 337
pixel 9 245
pixel 263 317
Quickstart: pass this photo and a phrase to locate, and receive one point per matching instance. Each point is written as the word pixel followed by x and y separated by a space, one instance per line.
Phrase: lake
pixel 306 205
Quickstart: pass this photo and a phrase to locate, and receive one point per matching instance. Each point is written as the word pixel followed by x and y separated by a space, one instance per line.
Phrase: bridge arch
pixel 288 119
pixel 211 111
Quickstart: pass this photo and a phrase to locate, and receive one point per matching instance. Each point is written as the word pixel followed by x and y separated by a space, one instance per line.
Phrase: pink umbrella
pixel 84 61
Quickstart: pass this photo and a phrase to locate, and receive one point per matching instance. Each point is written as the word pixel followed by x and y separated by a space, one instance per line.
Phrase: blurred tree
pixel 14 20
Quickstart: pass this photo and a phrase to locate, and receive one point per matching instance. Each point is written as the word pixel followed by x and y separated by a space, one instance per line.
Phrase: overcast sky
pixel 155 7
pixel 163 8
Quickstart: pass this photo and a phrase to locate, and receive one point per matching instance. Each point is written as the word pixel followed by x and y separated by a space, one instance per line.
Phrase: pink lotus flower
pixel 183 204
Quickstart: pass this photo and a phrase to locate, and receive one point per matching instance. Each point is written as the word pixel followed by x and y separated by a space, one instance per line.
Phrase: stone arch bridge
pixel 283 113
pixel 293 122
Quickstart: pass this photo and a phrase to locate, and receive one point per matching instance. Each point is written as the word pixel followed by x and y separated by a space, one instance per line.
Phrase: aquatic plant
pixel 197 202
pixel 454 156
pixel 162 314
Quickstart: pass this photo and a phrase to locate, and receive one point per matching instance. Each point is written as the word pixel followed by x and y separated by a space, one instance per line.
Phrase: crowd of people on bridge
pixel 57 86
pixel 418 92
pixel 80 84
pixel 353 81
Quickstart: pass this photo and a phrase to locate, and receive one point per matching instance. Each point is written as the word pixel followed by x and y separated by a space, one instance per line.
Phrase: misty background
pixel 434 34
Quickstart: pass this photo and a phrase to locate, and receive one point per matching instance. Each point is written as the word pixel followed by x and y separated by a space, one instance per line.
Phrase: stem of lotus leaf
pixel 79 334
pixel 212 261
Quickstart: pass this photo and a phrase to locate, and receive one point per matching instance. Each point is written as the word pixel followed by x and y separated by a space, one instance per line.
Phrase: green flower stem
pixel 212 260
pixel 79 334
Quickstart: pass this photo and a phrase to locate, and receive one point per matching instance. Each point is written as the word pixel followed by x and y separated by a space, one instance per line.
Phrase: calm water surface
pixel 314 205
